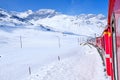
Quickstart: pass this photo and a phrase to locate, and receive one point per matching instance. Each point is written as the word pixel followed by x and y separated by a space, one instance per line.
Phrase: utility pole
pixel 20 41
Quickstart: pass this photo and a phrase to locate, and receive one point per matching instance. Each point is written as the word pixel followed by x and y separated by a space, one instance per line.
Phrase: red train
pixel 109 41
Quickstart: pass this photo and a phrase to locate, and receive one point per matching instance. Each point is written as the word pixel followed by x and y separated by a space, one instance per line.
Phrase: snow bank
pixel 84 64
pixel 39 55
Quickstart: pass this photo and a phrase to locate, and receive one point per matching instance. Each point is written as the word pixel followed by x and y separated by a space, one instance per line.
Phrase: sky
pixel 70 7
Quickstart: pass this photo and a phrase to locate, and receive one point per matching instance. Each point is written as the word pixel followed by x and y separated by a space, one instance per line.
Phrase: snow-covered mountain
pixel 36 44
pixel 51 19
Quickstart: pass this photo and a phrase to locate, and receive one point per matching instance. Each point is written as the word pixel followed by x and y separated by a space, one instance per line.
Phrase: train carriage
pixel 110 41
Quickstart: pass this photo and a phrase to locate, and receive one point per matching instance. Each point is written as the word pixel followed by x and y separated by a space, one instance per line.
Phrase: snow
pixel 72 24
pixel 45 11
pixel 40 52
pixel 56 20
pixel 50 48
pixel 84 64
pixel 25 14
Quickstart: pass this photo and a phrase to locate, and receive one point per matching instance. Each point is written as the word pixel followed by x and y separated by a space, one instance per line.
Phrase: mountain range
pixel 51 20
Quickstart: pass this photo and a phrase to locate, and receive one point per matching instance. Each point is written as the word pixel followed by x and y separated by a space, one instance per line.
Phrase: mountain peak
pixel 2 9
pixel 101 16
pixel 42 13
pixel 25 14
pixel 49 17
pixel 46 11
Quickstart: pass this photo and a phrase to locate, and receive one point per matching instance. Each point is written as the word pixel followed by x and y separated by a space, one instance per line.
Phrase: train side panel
pixel 117 31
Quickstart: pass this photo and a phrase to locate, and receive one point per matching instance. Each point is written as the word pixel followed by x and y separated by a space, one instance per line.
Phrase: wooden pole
pixel 20 41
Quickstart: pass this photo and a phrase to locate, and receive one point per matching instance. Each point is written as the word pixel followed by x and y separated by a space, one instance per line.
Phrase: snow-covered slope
pixel 38 57
pixel 54 21
pixel 75 24
pixel 9 19
pixel 31 41
pixel 83 65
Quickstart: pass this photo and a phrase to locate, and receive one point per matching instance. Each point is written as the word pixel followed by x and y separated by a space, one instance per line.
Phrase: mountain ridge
pixel 53 19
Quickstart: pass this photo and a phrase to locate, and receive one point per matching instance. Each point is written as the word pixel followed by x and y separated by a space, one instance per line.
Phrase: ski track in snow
pixel 85 65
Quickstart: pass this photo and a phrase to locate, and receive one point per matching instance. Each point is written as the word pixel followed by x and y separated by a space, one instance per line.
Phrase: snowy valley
pixel 49 45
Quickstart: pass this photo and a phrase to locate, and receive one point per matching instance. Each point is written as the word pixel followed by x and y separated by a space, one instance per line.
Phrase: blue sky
pixel 72 7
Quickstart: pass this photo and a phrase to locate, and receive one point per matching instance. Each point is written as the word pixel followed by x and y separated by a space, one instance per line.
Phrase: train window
pixel 113 25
